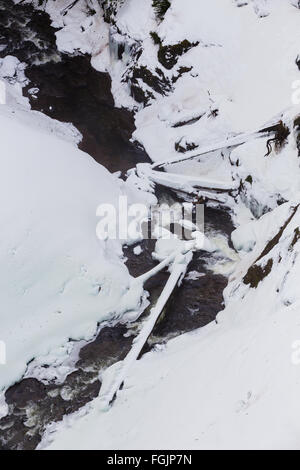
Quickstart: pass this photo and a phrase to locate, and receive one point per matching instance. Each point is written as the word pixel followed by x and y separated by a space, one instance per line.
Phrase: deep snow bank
pixel 57 279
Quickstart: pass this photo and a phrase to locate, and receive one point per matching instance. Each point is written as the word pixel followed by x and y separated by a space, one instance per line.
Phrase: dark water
pixel 70 90
pixel 76 93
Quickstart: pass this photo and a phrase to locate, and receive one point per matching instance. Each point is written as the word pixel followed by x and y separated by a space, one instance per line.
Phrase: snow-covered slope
pixel 57 279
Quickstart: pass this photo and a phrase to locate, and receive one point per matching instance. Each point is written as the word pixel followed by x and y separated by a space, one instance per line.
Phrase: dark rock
pixel 158 83
pixel 168 55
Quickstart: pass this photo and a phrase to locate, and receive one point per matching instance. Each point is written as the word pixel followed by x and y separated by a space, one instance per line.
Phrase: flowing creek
pixel 70 90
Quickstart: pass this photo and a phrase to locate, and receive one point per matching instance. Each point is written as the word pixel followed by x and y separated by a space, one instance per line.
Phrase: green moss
pixel 249 179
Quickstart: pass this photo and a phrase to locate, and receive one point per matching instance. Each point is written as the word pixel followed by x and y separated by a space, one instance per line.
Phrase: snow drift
pixel 57 279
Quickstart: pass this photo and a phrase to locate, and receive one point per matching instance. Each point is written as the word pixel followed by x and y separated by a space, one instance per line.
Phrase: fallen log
pixel 231 142
pixel 181 260
pixel 192 185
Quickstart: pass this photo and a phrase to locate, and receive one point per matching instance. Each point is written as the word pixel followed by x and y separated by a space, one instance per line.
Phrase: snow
pixel 230 385
pixel 138 250
pixel 193 276
pixel 235 70
pixel 233 384
pixel 218 388
pixel 58 280
pixel 132 11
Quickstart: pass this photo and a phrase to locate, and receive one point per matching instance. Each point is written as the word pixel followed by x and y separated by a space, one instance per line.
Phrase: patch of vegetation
pixel 158 83
pixel 181 71
pixel 156 38
pixel 281 134
pixel 160 8
pixel 168 55
pixel 257 273
pixel 249 179
pixel 110 8
pixel 275 240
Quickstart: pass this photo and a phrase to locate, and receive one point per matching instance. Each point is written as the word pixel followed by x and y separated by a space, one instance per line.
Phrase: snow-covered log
pixel 181 259
pixel 220 145
pixel 187 183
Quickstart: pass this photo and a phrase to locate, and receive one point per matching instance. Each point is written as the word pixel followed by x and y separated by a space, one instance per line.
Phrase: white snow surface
pixel 57 279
